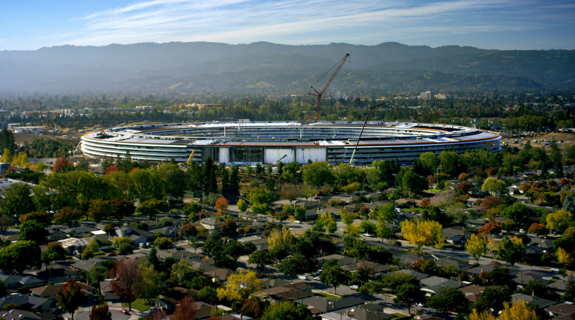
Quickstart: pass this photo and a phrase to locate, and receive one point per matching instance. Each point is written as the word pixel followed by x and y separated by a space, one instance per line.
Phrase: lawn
pixel 399 316
pixel 139 305
pixel 328 295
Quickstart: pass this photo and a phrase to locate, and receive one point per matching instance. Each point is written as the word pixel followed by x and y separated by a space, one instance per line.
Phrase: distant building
pixel 425 95
pixel 440 96
pixel 27 129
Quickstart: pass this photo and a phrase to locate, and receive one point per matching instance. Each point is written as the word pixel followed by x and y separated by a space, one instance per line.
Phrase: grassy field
pixel 328 295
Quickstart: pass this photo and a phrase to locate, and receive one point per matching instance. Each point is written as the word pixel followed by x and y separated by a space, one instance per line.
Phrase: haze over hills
pixel 268 67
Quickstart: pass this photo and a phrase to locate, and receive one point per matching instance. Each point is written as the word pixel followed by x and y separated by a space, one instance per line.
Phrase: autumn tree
pixel 476 246
pixel 484 315
pixel 62 165
pixel 70 297
pixel 100 313
pixel 185 310
pixel 280 238
pixel 559 220
pixel 122 208
pixel 240 285
pixel 5 223
pixel 490 228
pixel 229 227
pixel 421 233
pixel 222 205
pixel 519 310
pixel 40 217
pixel 127 280
pixel 563 257
pixel 538 229
pixel 67 215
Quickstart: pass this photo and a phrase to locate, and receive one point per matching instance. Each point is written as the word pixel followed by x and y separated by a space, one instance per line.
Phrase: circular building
pixel 271 142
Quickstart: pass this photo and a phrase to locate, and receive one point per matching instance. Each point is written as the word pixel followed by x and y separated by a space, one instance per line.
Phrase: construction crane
pixel 361 132
pixel 190 158
pixel 318 94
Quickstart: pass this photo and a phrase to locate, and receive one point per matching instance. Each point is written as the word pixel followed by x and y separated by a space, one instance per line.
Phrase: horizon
pixel 492 24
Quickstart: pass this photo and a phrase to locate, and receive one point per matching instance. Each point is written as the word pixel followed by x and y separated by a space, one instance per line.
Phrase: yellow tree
pixel 240 285
pixel 476 246
pixel 485 315
pixel 564 257
pixel 280 238
pixel 493 185
pixel 559 219
pixel 421 233
pixel 7 156
pixel 519 310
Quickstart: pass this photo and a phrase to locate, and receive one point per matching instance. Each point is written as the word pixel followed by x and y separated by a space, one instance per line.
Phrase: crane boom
pixel 319 94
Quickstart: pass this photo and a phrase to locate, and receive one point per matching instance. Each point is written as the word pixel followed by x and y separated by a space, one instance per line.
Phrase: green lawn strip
pixel 328 295
pixel 399 316
pixel 139 305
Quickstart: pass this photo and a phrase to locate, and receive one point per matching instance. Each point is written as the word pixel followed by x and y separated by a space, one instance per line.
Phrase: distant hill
pixel 268 67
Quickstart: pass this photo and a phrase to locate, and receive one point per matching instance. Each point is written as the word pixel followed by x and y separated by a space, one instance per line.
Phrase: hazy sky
pixel 499 24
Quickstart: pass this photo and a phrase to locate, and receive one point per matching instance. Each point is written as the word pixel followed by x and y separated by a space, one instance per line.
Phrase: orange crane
pixel 318 94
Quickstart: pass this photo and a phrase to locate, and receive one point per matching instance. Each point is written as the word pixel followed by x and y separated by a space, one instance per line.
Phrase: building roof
pixel 50 290
pixel 540 302
pixel 22 299
pixel 15 314
pixel 561 309
pixel 330 305
pixel 417 275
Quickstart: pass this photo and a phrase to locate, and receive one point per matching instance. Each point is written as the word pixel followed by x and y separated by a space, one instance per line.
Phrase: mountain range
pixel 274 68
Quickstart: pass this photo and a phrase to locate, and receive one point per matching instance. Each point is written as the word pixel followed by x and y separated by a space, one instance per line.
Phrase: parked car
pixel 124 311
pixel 111 254
pixel 354 287
pixel 555 270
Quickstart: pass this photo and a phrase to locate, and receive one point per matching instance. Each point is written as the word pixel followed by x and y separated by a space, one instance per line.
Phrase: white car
pixel 555 270
pixel 302 277
pixel 354 287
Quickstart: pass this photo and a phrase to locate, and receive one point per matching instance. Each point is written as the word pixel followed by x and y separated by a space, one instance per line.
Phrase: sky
pixel 488 24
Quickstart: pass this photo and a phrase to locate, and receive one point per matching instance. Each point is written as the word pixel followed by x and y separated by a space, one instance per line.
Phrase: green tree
pixel 409 294
pixel 300 213
pixel 70 297
pixel 511 251
pixel 242 206
pixel 146 184
pixel 386 213
pixel 100 210
pixel 32 230
pixel 413 182
pixel 174 179
pixel 151 281
pixel 17 200
pixel 317 174
pixel 208 294
pixel 261 259
pixel 493 185
pixel 369 288
pixel 492 298
pixel 335 276
pixel 517 212
pixel 559 220
pixel 383 231
pixel 293 266
pixel 448 299
pixel 152 208
pixel 286 310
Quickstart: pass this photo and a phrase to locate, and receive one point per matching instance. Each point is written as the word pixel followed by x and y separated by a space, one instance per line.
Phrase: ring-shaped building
pixel 269 142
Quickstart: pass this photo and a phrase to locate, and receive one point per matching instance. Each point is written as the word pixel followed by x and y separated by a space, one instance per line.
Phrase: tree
pixel 70 297
pixel 300 213
pixel 100 313
pixel 261 259
pixel 490 228
pixel 421 233
pixel 152 208
pixel 448 299
pixel 369 288
pixel 146 184
pixel 67 215
pixel 222 205
pixel 317 174
pixel 32 230
pixel 493 185
pixel 538 229
pixel 163 243
pixel 97 275
pixel 100 209
pixel 293 266
pixel 40 217
pixel 347 217
pixel 408 295
pixel 242 206
pixel 286 310
pixel 229 227
pixel 517 212
pixel 484 315
pixel 62 165
pixel 386 213
pixel 128 280
pixel 383 231
pixel 492 298
pixel 174 179
pixel 5 223
pixel 519 310
pixel 122 208
pixel 151 281
pixel 564 257
pixel 511 251
pixel 569 293
pixel 208 294
pixel 413 182
pixel 17 200
pixel 335 276
pixel 476 246
pixel 20 256
pixel 240 285
pixel 559 220
pixel 280 238
pixel 185 310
